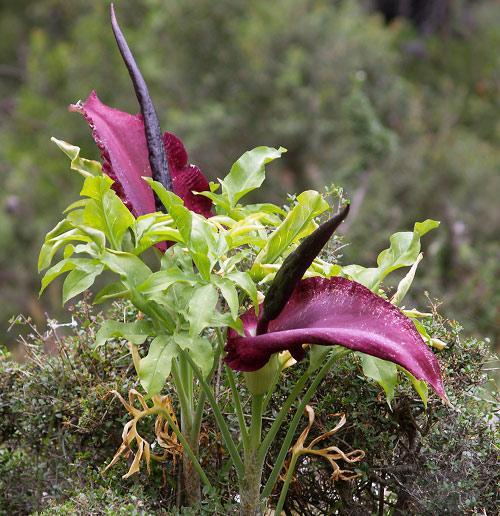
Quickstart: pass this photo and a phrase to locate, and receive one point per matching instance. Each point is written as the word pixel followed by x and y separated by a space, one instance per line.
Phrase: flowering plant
pixel 241 283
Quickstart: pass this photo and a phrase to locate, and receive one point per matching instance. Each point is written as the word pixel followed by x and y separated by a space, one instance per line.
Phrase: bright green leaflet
pixel 403 252
pixel 136 332
pixel 248 173
pixel 297 225
pixel 155 367
pixel 383 372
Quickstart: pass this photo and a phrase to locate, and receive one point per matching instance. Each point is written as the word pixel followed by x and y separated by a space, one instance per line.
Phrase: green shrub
pixel 59 428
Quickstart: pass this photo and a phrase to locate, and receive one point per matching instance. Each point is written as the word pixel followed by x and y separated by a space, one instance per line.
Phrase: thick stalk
pixel 183 378
pixel 190 477
pixel 250 500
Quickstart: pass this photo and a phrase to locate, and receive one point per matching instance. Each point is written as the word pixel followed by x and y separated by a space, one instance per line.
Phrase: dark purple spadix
pixel 294 267
pixel 156 150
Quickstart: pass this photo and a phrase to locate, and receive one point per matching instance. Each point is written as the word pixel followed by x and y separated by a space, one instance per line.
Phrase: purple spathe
pixel 336 311
pixel 121 139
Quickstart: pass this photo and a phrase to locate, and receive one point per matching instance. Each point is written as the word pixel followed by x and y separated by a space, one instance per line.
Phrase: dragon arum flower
pixel 133 147
pixel 335 311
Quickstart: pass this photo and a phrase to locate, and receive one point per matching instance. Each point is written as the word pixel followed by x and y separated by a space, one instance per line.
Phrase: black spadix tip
pixel 294 267
pixel 156 150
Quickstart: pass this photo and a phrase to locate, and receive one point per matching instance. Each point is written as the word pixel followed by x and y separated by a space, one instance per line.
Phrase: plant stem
pixel 237 407
pixel 296 419
pixel 235 395
pixel 225 433
pixel 251 502
pixel 183 379
pixel 256 424
pixel 190 478
pixel 198 414
pixel 184 402
pixel 270 392
pixel 187 380
pixel 286 484
pixel 297 389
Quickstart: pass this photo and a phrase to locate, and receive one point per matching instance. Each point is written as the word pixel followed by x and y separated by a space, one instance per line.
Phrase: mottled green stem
pixel 251 502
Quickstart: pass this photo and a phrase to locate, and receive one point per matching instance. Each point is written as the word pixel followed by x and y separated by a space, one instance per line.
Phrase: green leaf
pixel 181 216
pixel 219 201
pixel 383 372
pixel 86 265
pixel 162 280
pixel 136 332
pixel 132 270
pixel 200 350
pixel 245 282
pixel 85 167
pixel 96 235
pixel 403 252
pixel 272 211
pixel 55 271
pixel 424 227
pixel 81 203
pixel 317 356
pixel 367 276
pixel 297 224
pixel 95 187
pixel 105 211
pixel 229 264
pixel 421 329
pixel 405 283
pixel 219 320
pixel 79 280
pixel 111 291
pixel 326 269
pixel 152 228
pixel 155 367
pixel 248 173
pixel 244 231
pixel 420 386
pixel 197 233
pixel 69 251
pixel 201 308
pixel 229 292
pixel 51 246
pixel 404 248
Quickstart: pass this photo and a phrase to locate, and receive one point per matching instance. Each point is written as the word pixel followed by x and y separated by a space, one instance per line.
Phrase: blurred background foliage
pixel 398 102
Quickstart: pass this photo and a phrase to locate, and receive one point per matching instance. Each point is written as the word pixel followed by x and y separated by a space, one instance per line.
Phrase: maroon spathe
pixel 336 311
pixel 121 139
